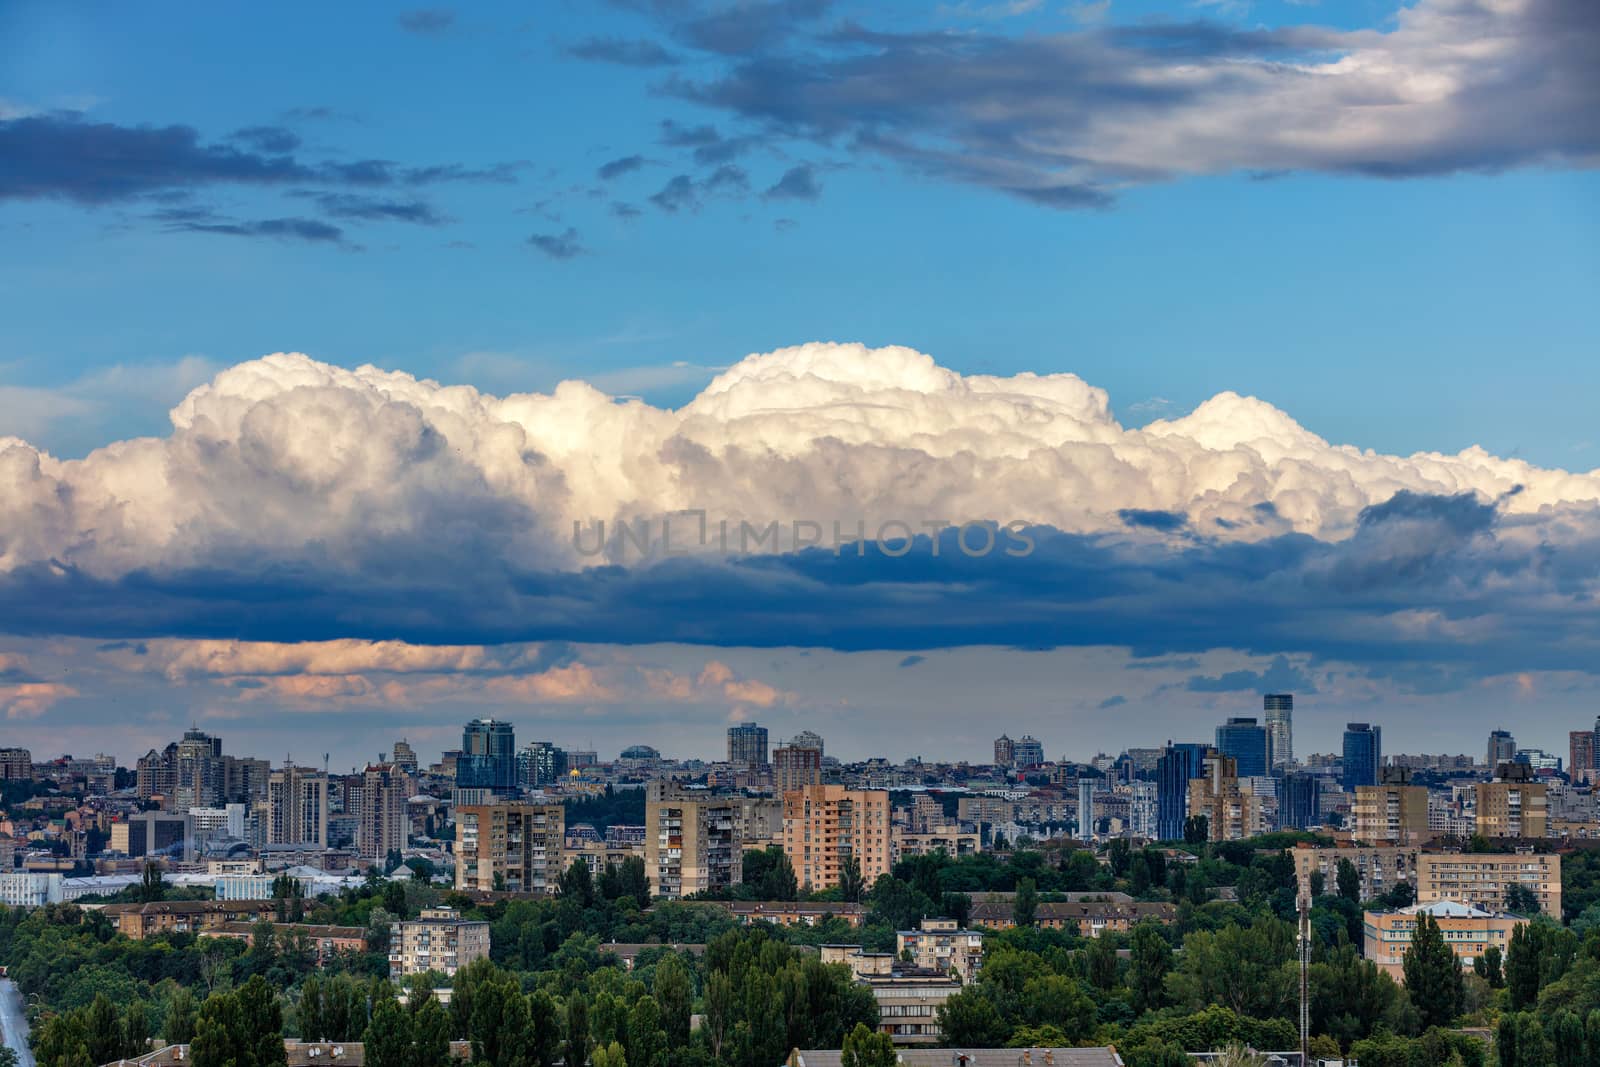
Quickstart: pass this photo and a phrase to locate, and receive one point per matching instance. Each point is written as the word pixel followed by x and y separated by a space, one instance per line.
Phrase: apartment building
pixel 823 825
pixel 795 768
pixel 1231 811
pixel 1090 918
pixel 1512 807
pixel 693 840
pixel 1467 930
pixel 1380 869
pixel 1393 812
pixel 139 921
pixel 1481 879
pixel 941 945
pixel 951 840
pixel 438 940
pixel 510 847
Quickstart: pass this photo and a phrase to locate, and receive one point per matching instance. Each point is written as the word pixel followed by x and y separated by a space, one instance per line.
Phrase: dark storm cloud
pixel 1142 518
pixel 1061 120
pixel 623 52
pixel 64 157
pixel 739 29
pixel 912 661
pixel 1279 677
pixel 1485 604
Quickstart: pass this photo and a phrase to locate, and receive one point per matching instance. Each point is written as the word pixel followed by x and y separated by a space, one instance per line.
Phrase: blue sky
pixel 1428 312
pixel 1318 204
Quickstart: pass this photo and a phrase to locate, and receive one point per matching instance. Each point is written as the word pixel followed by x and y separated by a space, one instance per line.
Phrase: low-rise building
pixel 140 921
pixel 1102 1056
pixel 23 889
pixel 1090 918
pixel 908 1004
pixel 1467 930
pixel 795 913
pixel 439 940
pixel 325 941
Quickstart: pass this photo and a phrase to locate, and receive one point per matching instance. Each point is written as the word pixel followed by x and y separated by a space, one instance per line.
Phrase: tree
pixel 1433 974
pixel 867 1048
pixel 1100 964
pixel 152 887
pixel 970 1019
pixel 1026 904
pixel 178 1026
pixel 577 883
pixel 1319 882
pixel 389 1035
pixel 1196 830
pixel 1147 971
pixel 576 1050
pixel 957 906
pixel 647 1042
pixel 611 1055
pixel 674 993
pixel 1520 900
pixel 851 884
pixel 1523 967
pixel 1348 881
pixel 1487 967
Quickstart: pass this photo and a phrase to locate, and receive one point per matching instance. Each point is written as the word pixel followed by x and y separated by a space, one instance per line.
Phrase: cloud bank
pixel 296 500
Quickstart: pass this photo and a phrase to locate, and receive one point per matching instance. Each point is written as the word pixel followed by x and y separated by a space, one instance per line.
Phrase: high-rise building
pixel 1244 741
pixel 823 825
pixel 1086 809
pixel 1502 748
pixel 1393 812
pixel 540 763
pixel 693 840
pixel 404 756
pixel 1297 802
pixel 808 739
pixel 747 745
pixel 16 765
pixel 1027 752
pixel 383 823
pixel 297 807
pixel 488 757
pixel 1580 755
pixel 1004 754
pixel 794 767
pixel 1231 811
pixel 1279 710
pixel 1177 766
pixel 1363 754
pixel 516 847
pixel 1513 805
pixel 154 833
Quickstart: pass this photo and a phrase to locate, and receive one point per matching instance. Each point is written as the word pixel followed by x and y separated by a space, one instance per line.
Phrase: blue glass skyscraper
pixel 488 757
pixel 1177 765
pixel 1245 742
pixel 1363 754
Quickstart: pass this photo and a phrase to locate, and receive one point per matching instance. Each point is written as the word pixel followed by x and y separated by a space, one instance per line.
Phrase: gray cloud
pixel 618 167
pixel 1063 120
pixel 428 22
pixel 558 245
pixel 63 157
pixel 797 183
pixel 622 51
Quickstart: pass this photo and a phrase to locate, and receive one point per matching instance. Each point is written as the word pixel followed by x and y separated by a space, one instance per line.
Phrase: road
pixel 15 1022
